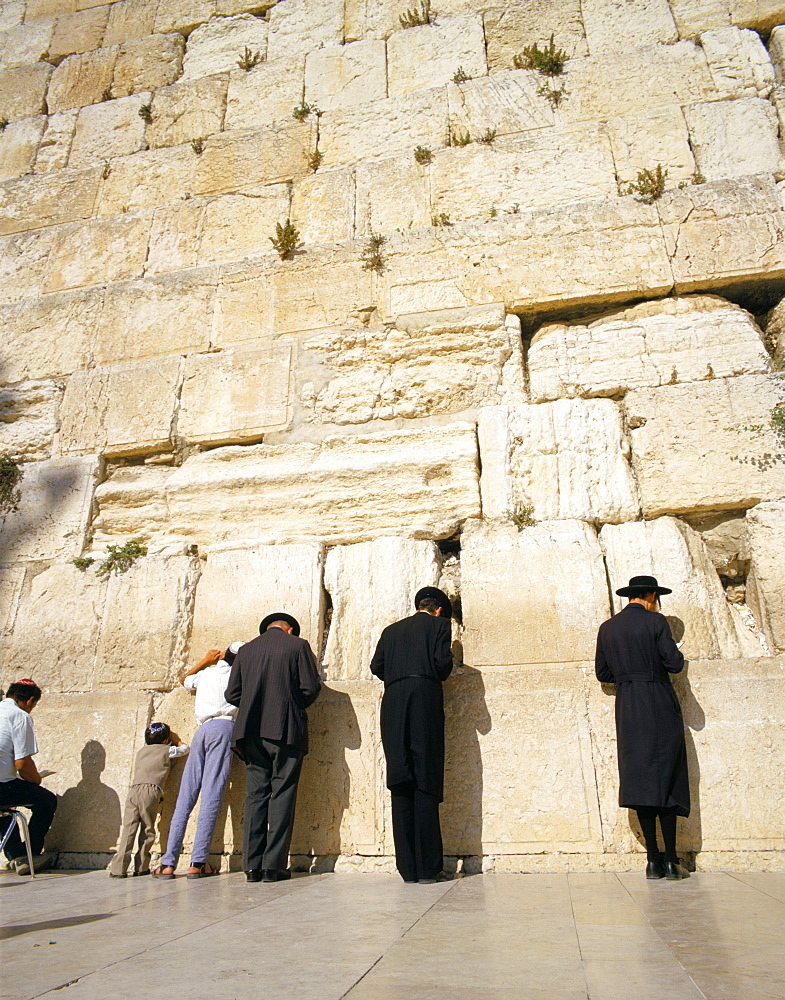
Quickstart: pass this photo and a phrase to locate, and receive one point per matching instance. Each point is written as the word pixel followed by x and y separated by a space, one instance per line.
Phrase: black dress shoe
pixel 254 875
pixel 276 875
pixel 655 869
pixel 674 871
pixel 440 877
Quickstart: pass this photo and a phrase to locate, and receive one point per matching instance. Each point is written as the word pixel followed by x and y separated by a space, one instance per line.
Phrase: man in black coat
pixel 413 657
pixel 635 650
pixel 274 679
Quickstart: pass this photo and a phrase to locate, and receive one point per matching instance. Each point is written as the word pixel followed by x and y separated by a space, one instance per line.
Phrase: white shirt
pixel 210 684
pixel 17 738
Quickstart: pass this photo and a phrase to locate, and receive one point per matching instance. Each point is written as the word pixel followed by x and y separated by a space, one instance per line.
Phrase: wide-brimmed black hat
pixel 646 583
pixel 437 595
pixel 279 616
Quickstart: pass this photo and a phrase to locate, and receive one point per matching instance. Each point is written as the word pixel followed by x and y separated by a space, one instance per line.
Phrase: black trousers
pixel 42 804
pixel 416 832
pixel 271 773
pixel 647 817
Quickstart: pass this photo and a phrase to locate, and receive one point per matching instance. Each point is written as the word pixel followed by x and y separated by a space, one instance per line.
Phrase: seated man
pixel 20 782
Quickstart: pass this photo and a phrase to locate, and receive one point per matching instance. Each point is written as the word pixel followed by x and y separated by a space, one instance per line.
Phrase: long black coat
pixel 273 680
pixel 413 657
pixel 636 650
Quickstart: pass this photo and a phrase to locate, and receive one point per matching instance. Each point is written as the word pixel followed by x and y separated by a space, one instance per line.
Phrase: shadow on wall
pixel 690 830
pixel 88 814
pixel 466 719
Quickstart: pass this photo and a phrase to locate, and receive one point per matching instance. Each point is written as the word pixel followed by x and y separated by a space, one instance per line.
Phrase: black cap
pixel 643 583
pixel 279 616
pixel 436 595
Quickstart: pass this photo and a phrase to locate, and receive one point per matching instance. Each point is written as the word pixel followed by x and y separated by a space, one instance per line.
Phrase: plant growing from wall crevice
pixel 315 160
pixel 83 562
pixel 422 15
pixel 460 138
pixel 286 239
pixel 461 76
pixel 146 113
pixel 423 155
pixel 120 558
pixel 302 111
pixel 10 477
pixel 197 145
pixel 522 515
pixel 649 184
pixel 249 59
pixel 372 254
pixel 549 61
pixel 488 136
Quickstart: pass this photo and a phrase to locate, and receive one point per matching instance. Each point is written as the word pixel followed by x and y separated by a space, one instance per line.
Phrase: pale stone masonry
pixel 491 367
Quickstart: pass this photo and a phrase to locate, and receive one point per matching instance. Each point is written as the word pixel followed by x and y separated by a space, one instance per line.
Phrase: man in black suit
pixel 413 657
pixel 274 679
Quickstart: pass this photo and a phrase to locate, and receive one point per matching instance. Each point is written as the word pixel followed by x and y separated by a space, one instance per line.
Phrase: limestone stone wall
pixel 543 383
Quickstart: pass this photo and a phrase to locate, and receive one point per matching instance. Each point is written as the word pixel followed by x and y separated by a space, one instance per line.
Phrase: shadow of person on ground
pixel 88 814
pixel 14 930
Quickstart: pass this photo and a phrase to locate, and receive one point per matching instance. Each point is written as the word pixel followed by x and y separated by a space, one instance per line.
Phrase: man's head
pixel 280 620
pixel 25 693
pixel 434 601
pixel 644 590
pixel 157 732
pixel 232 651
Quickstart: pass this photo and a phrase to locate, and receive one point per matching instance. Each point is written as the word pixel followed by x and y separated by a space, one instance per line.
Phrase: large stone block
pixel 12 580
pixel 215 47
pixel 147 63
pixel 513 782
pixel 28 419
pixel 341 490
pixel 613 25
pixel 236 395
pixel 192 109
pixel 56 141
pixel 155 317
pixel 182 15
pixel 130 20
pixel 147 623
pixel 25 43
pixel 23 260
pixel 391 194
pixel 384 128
pixel 37 201
pixel 430 55
pixel 147 180
pixel 298 26
pixel 241 585
pixel 79 32
pixel 268 93
pixel 23 90
pixel 238 225
pixel 97 251
pixel 735 138
pixel 346 74
pixel 674 552
pixel 700 337
pixel 124 410
pixel 766 535
pixel 82 79
pixel 738 61
pixel 91 741
pixel 510 28
pixel 532 596
pixel 566 459
pixel 523 173
pixel 323 206
pixel 424 365
pixel 174 237
pixel 726 423
pixel 54 511
pixel 695 16
pixel 506 102
pixel 238 162
pixel 639 141
pixel 19 143
pixel 11 13
pixel 56 630
pixel 372 584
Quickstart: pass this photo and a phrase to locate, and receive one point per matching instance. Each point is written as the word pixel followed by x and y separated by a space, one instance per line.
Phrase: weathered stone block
pixel 147 63
pixel 738 61
pixel 384 128
pixel 724 421
pixel 97 251
pixel 341 490
pixel 174 237
pixel 112 128
pixel 147 180
pixel 372 584
pixel 541 603
pixel 508 29
pixel 25 43
pixel 79 32
pixel 695 16
pixel 639 141
pixel 613 25
pixel 155 317
pixel 182 15
pixel 391 194
pixel 673 552
pixel 23 91
pixel 12 580
pixel 238 162
pixel 700 337
pixel 54 511
pixel 82 79
pixel 240 585
pixel 506 102
pixel 130 19
pixel 566 459
pixel 79 738
pixel 766 534
pixel 19 143
pixel 23 260
pixel 187 110
pixel 37 9
pixel 298 26
pixel 11 13
pixel 735 138
pixel 342 75
pixel 147 623
pixel 28 420
pixel 37 201
pixel 424 365
pixel 56 141
pixel 215 47
pixel 237 226
pixel 430 55
pixel 124 410
pixel 323 206
pixel 235 395
pixel 267 94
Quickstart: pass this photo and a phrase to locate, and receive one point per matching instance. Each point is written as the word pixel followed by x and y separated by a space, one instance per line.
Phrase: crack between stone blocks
pixel 577 937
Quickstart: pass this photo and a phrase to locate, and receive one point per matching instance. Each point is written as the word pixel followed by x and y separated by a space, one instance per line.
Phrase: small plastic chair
pixel 19 819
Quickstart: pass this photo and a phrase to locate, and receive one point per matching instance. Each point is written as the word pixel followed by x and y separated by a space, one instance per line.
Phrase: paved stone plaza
pixel 717 936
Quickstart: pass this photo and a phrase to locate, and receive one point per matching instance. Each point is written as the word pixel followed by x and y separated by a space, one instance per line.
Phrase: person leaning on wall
pixel 635 650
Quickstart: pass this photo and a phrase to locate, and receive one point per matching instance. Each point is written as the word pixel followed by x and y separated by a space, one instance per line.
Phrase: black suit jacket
pixel 274 679
pixel 418 646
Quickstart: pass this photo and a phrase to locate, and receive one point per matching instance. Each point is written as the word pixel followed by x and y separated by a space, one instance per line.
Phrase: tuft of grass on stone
pixel 523 516
pixel 548 61
pixel 146 113
pixel 649 184
pixel 315 160
pixel 249 59
pixel 286 239
pixel 106 94
pixel 442 219
pixel 424 14
pixel 372 254
pixel 698 178
pixel 119 558
pixel 83 562
pixel 3 124
pixel 423 155
pixel 552 94
pixel 302 111
pixel 460 76
pixel 488 136
pixel 460 138
pixel 197 145
pixel 10 477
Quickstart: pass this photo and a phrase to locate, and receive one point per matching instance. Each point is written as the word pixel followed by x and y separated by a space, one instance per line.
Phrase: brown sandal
pixel 159 872
pixel 201 871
